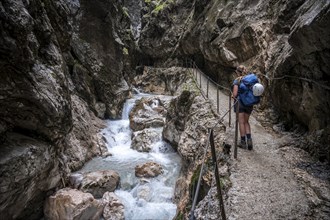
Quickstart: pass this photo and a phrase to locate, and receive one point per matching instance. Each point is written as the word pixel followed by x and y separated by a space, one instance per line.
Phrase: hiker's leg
pixel 241 122
pixel 248 132
pixel 247 123
pixel 242 132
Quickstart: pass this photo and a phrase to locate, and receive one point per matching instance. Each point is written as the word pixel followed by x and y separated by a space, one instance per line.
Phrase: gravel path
pixel 265 182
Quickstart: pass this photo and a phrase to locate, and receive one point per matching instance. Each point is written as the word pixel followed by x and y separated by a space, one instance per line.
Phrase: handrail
pixel 191 215
pixel 217 177
pixel 191 64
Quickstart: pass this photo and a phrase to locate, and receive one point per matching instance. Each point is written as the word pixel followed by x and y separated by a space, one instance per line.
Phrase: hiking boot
pixel 249 144
pixel 242 145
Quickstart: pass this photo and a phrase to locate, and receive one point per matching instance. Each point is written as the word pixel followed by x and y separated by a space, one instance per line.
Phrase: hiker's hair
pixel 241 69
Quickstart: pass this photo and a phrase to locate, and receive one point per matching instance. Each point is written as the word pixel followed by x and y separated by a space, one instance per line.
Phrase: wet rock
pixel 148 170
pixel 99 182
pixel 147 113
pixel 84 140
pixel 188 118
pixel 143 192
pixel 72 204
pixel 75 180
pixel 114 208
pixel 177 116
pixel 100 109
pixel 55 69
pixel 29 169
pixel 142 140
pixel 187 125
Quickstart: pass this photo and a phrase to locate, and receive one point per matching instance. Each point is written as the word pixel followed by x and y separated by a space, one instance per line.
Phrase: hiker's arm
pixel 235 91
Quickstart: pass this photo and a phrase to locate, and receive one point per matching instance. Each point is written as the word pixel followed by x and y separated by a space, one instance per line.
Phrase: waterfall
pixel 143 198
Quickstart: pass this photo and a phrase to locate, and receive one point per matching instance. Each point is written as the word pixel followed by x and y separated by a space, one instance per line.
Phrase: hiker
pixel 244 111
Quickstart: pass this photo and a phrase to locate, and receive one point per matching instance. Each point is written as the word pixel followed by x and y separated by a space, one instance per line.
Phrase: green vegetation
pixel 225 182
pixel 125 51
pixel 159 8
pixel 125 11
pixel 158 5
pixel 192 87
pixel 179 216
pixel 194 178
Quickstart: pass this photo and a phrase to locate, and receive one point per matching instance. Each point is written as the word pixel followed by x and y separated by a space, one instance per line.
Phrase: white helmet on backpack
pixel 258 89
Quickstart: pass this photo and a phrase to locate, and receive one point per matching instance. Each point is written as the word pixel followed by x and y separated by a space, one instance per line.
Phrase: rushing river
pixel 143 198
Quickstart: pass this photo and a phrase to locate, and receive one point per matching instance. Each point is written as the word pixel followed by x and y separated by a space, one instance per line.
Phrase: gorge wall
pixel 63 66
pixel 285 42
pixel 66 64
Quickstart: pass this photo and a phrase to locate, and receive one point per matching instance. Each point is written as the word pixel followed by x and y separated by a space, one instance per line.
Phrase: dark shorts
pixel 243 108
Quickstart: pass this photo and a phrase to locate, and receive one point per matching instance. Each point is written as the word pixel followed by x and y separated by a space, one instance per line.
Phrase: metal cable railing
pixel 195 71
pixel 210 142
pixel 197 74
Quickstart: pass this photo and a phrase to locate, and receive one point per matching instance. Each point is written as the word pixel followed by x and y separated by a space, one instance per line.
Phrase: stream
pixel 143 198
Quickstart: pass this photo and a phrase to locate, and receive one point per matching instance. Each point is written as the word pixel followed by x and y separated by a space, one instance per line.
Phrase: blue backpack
pixel 245 90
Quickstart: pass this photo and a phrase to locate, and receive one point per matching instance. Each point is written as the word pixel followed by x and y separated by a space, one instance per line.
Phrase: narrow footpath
pixel 269 181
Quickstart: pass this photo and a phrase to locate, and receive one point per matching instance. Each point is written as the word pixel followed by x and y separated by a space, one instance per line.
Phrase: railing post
pixel 217 177
pixel 200 80
pixel 218 100
pixel 191 215
pixel 236 128
pixel 207 87
pixel 229 110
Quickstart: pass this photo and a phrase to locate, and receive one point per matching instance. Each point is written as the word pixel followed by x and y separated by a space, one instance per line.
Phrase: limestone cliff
pixel 286 42
pixel 62 64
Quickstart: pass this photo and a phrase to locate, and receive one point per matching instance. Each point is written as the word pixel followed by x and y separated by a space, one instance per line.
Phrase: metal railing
pixel 195 73
pixel 198 76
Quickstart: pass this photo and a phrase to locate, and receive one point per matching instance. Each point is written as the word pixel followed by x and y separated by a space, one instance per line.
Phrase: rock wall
pixel 189 117
pixel 63 67
pixel 188 121
pixel 286 42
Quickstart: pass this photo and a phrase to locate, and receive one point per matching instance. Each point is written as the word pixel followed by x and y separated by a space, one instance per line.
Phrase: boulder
pixel 113 207
pixel 75 180
pixel 99 182
pixel 72 204
pixel 147 113
pixel 142 140
pixel 29 170
pixel 148 170
pixel 177 116
pixel 143 192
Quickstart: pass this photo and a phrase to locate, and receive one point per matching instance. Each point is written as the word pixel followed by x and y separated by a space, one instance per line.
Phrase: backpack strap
pixel 239 79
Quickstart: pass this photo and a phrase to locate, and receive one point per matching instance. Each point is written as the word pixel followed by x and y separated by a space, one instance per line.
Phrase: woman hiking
pixel 244 111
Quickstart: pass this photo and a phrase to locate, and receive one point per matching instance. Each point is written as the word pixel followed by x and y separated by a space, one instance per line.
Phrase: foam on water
pixel 148 199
